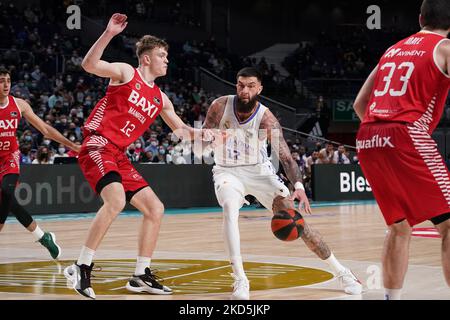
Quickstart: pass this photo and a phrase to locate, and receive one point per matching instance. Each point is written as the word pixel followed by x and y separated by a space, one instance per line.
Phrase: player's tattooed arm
pixel 215 113
pixel 279 146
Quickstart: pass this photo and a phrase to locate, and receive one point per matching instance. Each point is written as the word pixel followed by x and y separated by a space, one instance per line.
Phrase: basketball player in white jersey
pixel 243 168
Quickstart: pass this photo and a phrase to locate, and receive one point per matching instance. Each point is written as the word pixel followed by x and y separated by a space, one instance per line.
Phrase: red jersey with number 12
pixel 126 111
pixel 9 122
pixel 409 85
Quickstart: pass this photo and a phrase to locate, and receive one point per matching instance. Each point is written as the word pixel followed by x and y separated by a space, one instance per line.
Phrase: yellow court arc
pixel 183 276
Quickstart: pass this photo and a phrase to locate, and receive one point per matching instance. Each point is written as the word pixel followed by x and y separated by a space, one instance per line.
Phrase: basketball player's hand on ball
pixel 117 23
pixel 303 205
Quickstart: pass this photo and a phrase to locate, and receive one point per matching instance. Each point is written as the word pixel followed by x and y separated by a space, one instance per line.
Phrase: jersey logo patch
pixel 138 86
pixel 156 100
pixel 14 114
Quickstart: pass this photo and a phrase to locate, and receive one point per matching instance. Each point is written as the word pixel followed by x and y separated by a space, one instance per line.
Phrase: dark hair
pixel 4 71
pixel 250 72
pixel 436 14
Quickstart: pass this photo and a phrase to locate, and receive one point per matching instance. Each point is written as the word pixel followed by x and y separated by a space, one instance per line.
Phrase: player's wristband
pixel 299 186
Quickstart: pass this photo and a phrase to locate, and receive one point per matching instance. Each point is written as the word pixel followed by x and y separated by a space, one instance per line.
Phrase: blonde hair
pixel 149 42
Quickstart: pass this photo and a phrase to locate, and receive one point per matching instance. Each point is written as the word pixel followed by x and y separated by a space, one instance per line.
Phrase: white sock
pixel 238 267
pixel 141 264
pixel 37 233
pixel 86 256
pixel 232 237
pixel 392 294
pixel 334 264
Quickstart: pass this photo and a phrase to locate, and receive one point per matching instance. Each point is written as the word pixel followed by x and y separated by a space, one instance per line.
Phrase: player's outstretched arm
pixel 361 101
pixel 44 128
pixel 92 63
pixel 281 149
pixel 181 129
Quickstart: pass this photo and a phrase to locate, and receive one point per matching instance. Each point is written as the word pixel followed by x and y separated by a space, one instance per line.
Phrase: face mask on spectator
pixel 72 138
pixel 47 142
pixel 154 143
pixel 165 145
pixel 28 138
pixel 162 152
pixel 138 145
pixel 61 150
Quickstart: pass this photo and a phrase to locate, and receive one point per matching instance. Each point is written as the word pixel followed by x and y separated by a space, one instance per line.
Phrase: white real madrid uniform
pixel 242 162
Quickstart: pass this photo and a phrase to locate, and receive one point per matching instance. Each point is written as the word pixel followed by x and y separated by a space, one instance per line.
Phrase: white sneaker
pixel 79 278
pixel 349 282
pixel 241 288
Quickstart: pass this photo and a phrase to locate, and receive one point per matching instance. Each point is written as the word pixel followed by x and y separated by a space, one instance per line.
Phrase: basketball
pixel 287 225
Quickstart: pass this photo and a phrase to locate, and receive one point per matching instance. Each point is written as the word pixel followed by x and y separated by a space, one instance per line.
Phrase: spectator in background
pixel 326 154
pixel 43 156
pixel 147 157
pixel 312 160
pixel 131 153
pixel 340 155
pixel 61 152
pixel 25 154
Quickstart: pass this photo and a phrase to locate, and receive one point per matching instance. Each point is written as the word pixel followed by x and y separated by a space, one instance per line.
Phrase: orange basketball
pixel 287 225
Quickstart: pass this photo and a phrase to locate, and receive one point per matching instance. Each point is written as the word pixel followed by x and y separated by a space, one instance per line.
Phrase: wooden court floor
pixel 191 256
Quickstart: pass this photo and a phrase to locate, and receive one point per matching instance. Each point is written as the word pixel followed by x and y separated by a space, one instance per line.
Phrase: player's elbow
pixel 87 65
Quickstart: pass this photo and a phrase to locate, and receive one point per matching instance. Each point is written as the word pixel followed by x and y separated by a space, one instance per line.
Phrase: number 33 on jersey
pixel 409 85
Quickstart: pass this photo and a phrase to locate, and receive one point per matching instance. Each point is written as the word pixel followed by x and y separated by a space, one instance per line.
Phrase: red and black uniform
pixel 10 163
pixel 397 154
pixel 9 148
pixel 119 119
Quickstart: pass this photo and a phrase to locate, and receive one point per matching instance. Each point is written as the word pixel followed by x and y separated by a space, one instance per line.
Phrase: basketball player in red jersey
pixel 400 105
pixel 11 110
pixel 131 104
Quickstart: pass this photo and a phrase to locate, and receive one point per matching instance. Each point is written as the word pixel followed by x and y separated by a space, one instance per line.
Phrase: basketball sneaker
pixel 349 282
pixel 48 240
pixel 147 282
pixel 79 278
pixel 241 288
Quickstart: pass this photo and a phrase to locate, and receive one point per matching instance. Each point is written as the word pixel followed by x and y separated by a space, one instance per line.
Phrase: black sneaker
pixel 79 278
pixel 147 283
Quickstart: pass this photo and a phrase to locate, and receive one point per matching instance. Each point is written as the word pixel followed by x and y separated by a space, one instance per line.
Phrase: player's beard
pixel 244 107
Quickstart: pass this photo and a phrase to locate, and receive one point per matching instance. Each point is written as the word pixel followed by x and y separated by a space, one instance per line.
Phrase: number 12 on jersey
pixel 129 127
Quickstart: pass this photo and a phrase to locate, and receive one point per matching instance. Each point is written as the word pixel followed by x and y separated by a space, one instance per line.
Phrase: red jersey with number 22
pixel 126 111
pixel 409 85
pixel 9 122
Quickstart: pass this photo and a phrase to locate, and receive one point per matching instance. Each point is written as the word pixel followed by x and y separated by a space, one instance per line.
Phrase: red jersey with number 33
pixel 9 122
pixel 409 85
pixel 126 111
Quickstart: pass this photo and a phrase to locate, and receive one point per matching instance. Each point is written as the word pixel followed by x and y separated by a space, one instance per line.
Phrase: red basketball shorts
pixel 408 176
pixel 10 164
pixel 98 157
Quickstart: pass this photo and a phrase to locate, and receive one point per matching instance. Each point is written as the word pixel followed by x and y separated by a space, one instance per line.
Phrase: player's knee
pixel 155 212
pixel 400 229
pixel 230 208
pixel 158 210
pixel 116 205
